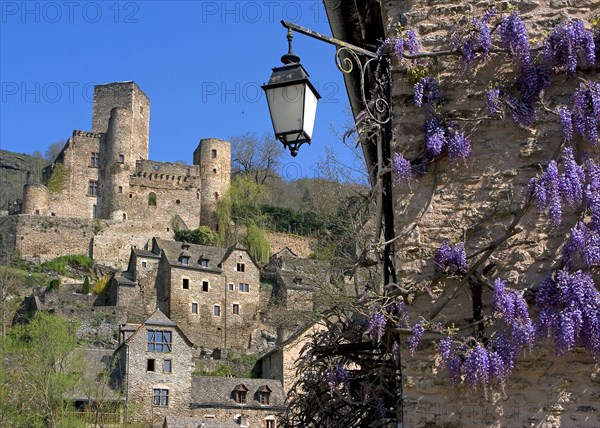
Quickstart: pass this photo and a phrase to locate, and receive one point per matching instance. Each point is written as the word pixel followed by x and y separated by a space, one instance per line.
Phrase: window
pixel 161 397
pixel 194 308
pixel 141 109
pixel 94 211
pixel 184 261
pixel 244 288
pixel 185 247
pixel 239 393
pixel 167 366
pixel 144 264
pixel 236 309
pixel 120 189
pixel 269 423
pixel 216 196
pixel 205 286
pixel 121 158
pixel 95 160
pixel 217 310
pixel 230 287
pixel 214 170
pixel 203 262
pixel 185 283
pixel 150 365
pixel 241 267
pixel 177 201
pixel 159 341
pixel 213 153
pixel 152 199
pixel 93 188
pixel 263 394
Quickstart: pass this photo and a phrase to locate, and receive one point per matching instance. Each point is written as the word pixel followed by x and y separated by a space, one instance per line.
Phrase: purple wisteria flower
pixel 493 100
pixel 376 326
pixel 402 168
pixel 451 259
pixel 415 338
pixel 566 44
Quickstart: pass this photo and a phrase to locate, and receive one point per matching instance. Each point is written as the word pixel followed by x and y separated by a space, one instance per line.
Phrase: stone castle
pixel 102 196
pixel 106 173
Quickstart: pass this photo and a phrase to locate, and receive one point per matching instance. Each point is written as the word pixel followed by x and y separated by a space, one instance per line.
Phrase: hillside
pixel 14 168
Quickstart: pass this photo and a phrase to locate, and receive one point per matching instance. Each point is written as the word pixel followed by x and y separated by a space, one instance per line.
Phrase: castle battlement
pixel 86 134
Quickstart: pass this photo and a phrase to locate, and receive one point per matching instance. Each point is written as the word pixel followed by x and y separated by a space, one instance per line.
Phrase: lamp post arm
pixel 331 40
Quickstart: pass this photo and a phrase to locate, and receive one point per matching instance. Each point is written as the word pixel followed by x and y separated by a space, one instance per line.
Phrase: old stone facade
pixel 476 201
pixel 154 367
pixel 211 293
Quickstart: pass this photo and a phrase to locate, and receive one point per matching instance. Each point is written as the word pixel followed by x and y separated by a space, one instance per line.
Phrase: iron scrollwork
pixel 376 104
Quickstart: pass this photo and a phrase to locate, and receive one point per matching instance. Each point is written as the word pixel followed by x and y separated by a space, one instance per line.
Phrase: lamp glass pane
pixel 286 106
pixel 310 111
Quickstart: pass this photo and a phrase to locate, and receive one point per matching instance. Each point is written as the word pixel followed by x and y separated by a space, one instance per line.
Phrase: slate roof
pixel 156 319
pixel 174 249
pixel 186 422
pixel 209 391
pixel 145 253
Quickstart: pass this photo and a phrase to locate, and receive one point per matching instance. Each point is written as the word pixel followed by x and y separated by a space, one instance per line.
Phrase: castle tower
pixel 122 111
pixel 214 158
pixel 114 171
pixel 35 199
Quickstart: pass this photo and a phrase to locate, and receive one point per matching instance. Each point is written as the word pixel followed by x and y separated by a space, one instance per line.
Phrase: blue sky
pixel 200 62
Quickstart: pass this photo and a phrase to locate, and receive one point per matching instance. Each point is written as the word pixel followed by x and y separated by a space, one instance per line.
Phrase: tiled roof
pixel 158 318
pixel 208 391
pixel 186 422
pixel 173 250
pixel 145 253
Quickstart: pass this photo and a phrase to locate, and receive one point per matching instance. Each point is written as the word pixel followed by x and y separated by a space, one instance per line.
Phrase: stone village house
pixel 153 365
pixel 212 293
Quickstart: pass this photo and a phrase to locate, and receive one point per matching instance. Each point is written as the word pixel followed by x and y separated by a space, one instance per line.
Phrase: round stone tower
pixel 115 165
pixel 214 158
pixel 35 199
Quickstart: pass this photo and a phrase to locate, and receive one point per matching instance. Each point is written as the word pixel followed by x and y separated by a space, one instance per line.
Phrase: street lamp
pixel 292 101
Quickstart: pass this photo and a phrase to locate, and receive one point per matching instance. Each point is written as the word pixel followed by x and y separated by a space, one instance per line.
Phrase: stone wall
pixel 114 240
pixel 475 201
pixel 176 190
pixel 300 245
pixel 194 308
pixel 70 195
pixel 140 382
pixel 44 238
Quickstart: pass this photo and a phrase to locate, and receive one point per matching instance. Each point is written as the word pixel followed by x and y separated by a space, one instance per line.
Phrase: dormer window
pixel 263 395
pixel 239 393
pixel 203 263
pixel 184 260
pixel 185 247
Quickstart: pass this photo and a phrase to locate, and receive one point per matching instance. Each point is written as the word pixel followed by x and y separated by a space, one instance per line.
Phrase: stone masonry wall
pixel 475 201
pixel 73 197
pixel 176 188
pixel 205 328
pixel 140 382
pixel 44 238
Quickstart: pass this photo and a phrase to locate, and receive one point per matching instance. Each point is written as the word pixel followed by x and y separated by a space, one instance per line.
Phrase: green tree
pixel 257 243
pixel 41 369
pixel 203 236
pixel 86 286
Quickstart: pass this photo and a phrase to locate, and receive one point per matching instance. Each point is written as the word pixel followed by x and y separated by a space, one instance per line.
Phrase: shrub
pixel 86 286
pixel 101 285
pixel 57 180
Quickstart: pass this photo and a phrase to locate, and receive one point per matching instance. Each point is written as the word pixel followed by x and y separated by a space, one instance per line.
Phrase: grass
pixel 24 277
pixel 61 264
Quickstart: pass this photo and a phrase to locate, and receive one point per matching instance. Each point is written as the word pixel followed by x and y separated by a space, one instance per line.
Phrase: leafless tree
pixel 256 157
